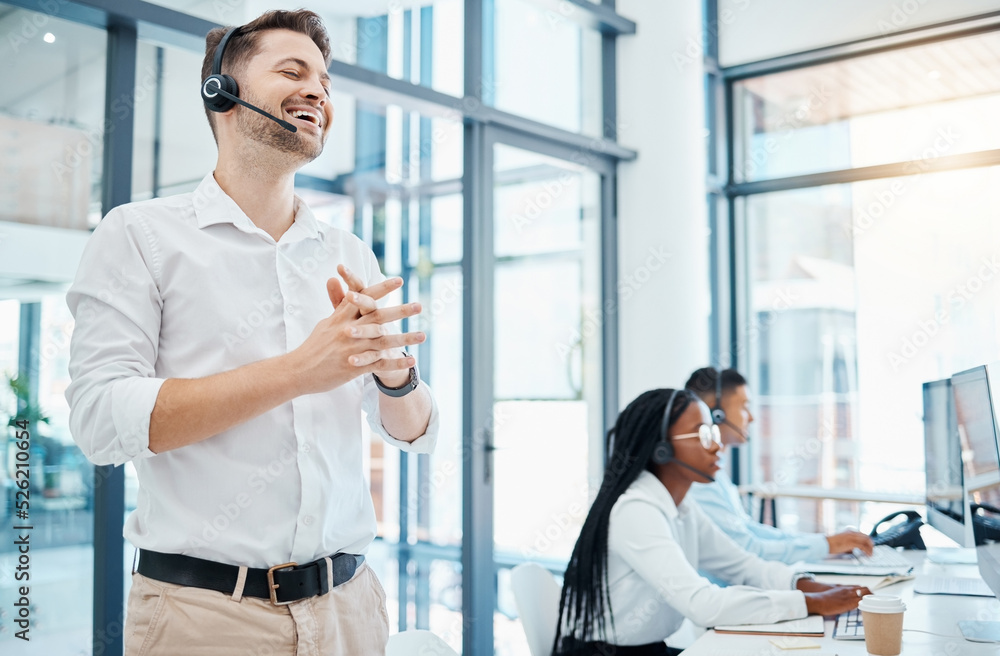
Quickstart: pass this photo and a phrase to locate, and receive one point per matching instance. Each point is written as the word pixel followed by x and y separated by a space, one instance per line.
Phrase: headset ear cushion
pixel 718 416
pixel 216 101
pixel 663 452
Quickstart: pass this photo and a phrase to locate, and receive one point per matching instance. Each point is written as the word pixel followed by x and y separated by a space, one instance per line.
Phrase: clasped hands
pixel 355 339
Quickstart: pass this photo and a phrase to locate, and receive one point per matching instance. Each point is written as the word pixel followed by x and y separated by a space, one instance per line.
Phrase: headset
pixel 663 452
pixel 220 92
pixel 718 414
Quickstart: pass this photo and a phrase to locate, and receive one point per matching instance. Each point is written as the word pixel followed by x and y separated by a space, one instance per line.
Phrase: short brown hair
pixel 244 46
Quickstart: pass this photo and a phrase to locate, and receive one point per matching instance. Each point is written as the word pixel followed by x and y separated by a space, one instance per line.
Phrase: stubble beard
pixel 266 132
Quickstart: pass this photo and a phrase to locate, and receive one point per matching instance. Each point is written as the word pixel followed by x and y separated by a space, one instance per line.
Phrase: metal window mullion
pixel 609 87
pixel 109 482
pixel 609 296
pixel 478 582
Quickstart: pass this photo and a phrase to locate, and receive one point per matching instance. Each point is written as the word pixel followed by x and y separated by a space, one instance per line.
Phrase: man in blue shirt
pixel 729 397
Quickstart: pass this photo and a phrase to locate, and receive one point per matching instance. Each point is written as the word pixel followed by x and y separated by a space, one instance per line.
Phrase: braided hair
pixel 629 445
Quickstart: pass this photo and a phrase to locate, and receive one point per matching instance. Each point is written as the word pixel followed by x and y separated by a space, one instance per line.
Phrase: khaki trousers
pixel 165 619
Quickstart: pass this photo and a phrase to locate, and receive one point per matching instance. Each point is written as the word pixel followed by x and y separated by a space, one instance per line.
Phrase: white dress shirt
pixel 654 551
pixel 186 287
pixel 721 502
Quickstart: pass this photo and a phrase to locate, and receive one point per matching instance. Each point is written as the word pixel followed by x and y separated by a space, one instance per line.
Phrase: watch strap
pixel 403 389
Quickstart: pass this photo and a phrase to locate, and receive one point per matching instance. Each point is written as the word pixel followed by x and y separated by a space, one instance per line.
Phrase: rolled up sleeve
pixel 116 306
pixel 423 444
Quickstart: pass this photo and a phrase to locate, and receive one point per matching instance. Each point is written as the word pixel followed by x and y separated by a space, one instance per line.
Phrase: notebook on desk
pixel 884 561
pixel 806 626
pixel 952 585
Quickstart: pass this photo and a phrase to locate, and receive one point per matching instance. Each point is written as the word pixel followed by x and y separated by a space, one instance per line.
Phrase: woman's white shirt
pixel 655 549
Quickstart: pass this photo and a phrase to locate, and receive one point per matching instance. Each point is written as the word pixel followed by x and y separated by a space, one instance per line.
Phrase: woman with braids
pixel 633 576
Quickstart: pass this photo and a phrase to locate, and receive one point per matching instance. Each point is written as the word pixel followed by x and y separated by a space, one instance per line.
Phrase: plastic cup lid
pixel 881 604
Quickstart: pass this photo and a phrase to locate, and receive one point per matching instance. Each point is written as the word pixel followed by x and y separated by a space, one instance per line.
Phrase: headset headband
pixel 219 51
pixel 718 387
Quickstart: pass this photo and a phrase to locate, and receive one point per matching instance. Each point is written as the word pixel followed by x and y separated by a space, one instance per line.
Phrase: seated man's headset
pixel 718 414
pixel 220 92
pixel 663 452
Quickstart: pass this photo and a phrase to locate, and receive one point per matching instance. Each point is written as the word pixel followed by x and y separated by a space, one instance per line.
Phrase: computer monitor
pixel 977 434
pixel 946 507
pixel 977 430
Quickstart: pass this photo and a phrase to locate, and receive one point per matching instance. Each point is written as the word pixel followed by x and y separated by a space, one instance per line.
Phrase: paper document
pixel 847 567
pixel 952 585
pixel 806 626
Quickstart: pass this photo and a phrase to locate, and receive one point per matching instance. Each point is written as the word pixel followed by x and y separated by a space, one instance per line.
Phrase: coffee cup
pixel 882 616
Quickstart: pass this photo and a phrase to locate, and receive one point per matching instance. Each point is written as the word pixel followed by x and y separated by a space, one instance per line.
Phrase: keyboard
pixel 849 626
pixel 883 556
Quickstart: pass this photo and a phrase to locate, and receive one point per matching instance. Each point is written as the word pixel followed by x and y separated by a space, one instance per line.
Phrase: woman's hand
pixel 836 600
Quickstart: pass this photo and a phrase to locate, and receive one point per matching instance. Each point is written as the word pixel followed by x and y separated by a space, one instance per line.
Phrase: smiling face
pixel 690 451
pixel 286 78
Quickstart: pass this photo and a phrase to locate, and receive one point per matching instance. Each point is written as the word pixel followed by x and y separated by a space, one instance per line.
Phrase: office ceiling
pixel 922 75
pixel 245 10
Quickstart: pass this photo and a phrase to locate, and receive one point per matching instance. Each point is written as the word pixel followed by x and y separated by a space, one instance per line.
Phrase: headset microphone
pixel 285 124
pixel 742 433
pixel 697 471
pixel 220 92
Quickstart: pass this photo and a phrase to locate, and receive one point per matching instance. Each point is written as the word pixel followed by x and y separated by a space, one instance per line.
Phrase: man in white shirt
pixel 216 349
pixel 728 395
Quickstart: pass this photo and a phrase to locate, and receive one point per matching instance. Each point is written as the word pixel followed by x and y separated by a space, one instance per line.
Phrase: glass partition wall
pixel 860 187
pixel 494 208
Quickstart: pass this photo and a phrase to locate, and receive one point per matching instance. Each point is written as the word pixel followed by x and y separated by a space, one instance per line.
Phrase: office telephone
pixel 904 534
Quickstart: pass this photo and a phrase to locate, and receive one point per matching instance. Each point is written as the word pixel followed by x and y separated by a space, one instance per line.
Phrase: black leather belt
pixel 282 584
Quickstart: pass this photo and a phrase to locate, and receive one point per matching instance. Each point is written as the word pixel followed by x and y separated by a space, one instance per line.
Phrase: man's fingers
pixel 394 313
pixel 383 347
pixel 367 330
pixel 384 288
pixel 335 291
pixel 375 361
pixel 364 302
pixel 346 307
pixel 354 283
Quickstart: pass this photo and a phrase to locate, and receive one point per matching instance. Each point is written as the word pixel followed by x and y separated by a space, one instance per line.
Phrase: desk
pixel 935 613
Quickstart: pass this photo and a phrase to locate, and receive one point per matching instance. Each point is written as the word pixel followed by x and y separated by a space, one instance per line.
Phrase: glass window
pixel 566 90
pixel 51 121
pixel 909 105
pixel 548 424
pixel 52 127
pixel 173 145
pixel 419 41
pixel 860 293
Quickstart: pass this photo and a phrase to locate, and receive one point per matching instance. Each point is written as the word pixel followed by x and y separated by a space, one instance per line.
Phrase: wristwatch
pixel 403 389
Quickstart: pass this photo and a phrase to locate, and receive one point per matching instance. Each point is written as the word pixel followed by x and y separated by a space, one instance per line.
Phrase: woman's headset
pixel 663 452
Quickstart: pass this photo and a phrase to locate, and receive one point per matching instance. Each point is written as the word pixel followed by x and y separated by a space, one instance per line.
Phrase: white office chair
pixel 417 643
pixel 536 595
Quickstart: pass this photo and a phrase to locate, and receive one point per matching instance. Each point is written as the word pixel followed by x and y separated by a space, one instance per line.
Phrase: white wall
pixel 663 305
pixel 751 30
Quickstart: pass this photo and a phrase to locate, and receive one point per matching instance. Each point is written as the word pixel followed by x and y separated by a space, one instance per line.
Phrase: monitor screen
pixel 946 502
pixel 977 435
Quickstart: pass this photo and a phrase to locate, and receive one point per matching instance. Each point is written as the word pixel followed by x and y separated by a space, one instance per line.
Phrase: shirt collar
pixel 212 205
pixel 649 486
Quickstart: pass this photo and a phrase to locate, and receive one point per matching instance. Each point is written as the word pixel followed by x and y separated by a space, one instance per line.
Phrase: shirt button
pixel 290 309
pixel 307 520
